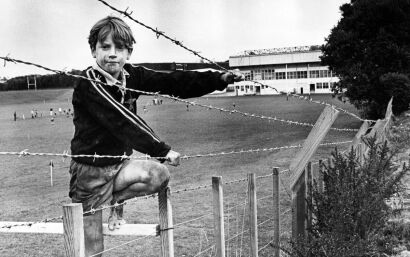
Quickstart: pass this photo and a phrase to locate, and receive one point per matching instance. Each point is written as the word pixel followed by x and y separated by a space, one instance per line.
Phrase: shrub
pixel 351 215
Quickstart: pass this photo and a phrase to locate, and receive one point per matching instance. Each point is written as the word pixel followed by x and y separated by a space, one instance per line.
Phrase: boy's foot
pixel 115 220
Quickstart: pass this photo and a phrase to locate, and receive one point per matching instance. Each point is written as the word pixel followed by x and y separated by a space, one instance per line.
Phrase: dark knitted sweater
pixel 105 126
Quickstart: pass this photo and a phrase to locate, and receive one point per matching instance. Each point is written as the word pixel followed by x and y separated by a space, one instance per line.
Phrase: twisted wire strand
pixel 204 251
pixel 263 247
pixel 29 224
pixel 210 107
pixel 65 154
pixel 196 53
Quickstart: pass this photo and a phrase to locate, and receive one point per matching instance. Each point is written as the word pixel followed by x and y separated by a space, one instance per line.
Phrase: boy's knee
pixel 160 177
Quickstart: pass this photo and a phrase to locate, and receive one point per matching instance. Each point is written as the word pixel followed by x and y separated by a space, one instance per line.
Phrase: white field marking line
pixel 117 246
pixel 289 122
pixel 196 53
pixel 25 152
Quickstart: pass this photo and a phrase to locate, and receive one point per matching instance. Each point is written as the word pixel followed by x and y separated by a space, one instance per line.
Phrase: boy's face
pixel 111 57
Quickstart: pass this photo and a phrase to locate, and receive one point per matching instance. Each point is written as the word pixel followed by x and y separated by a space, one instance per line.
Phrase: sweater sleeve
pixel 123 124
pixel 182 84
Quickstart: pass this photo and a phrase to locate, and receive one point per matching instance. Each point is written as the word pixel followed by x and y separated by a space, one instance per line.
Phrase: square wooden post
pixel 276 213
pixel 73 230
pixel 253 214
pixel 93 234
pixel 166 223
pixel 298 165
pixel 218 209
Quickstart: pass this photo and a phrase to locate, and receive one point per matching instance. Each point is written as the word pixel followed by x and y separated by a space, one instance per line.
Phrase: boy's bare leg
pixel 136 178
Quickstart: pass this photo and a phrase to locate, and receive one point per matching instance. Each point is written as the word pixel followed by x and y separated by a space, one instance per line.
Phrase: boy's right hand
pixel 173 158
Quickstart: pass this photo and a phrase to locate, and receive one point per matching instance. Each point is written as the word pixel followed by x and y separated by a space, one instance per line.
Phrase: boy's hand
pixel 232 76
pixel 173 158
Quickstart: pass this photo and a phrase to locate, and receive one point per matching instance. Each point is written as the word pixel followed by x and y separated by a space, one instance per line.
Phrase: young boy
pixel 104 124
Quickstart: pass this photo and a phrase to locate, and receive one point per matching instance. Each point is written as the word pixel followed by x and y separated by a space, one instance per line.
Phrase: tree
pixel 369 49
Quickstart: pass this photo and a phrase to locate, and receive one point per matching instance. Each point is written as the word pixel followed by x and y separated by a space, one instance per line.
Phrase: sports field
pixel 26 193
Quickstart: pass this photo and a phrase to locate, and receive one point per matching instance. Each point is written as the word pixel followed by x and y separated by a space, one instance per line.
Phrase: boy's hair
pixel 121 32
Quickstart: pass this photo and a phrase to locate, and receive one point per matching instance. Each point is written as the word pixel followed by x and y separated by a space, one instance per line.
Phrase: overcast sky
pixel 54 33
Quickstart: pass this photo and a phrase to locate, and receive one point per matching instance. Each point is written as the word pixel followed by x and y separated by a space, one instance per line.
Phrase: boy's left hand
pixel 232 76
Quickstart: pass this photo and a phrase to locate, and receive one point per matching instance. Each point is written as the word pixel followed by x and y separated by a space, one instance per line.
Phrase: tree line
pixel 42 81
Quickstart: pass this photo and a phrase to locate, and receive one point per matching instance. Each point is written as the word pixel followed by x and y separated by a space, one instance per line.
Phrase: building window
pixel 247 75
pixel 324 74
pixel 291 74
pixel 319 85
pixel 314 74
pixel 325 85
pixel 280 75
pixel 257 75
pixel 241 88
pixel 267 74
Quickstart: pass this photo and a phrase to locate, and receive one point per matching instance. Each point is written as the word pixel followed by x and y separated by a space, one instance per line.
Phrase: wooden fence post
pixel 276 213
pixel 93 234
pixel 73 230
pixel 298 165
pixel 299 208
pixel 320 183
pixel 253 214
pixel 166 223
pixel 219 231
pixel 309 195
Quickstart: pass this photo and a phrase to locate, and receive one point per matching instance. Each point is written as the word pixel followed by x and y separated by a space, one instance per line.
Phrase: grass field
pixel 26 194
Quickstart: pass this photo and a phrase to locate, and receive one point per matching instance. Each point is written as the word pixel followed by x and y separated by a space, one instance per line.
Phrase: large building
pixel 288 69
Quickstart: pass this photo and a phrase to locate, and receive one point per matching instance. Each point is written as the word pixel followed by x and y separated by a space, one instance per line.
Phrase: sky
pixel 54 33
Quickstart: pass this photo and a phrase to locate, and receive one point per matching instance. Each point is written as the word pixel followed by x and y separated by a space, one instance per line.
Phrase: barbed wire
pixel 327 104
pixel 65 154
pixel 196 53
pixel 186 102
pixel 157 94
pixel 29 224
pixel 173 40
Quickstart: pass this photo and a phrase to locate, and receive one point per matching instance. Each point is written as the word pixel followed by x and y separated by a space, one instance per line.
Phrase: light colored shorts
pixel 91 185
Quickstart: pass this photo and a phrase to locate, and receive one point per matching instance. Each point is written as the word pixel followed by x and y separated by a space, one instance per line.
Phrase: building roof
pixel 281 50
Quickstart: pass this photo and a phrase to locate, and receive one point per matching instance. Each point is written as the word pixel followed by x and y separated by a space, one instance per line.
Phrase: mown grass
pixel 26 194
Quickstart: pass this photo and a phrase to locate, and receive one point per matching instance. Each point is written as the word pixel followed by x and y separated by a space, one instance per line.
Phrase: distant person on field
pixel 104 124
pixel 15 116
